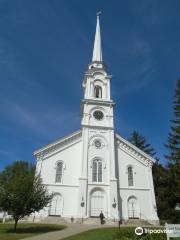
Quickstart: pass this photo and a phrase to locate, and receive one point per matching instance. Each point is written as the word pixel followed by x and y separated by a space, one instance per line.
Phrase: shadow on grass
pixel 37 229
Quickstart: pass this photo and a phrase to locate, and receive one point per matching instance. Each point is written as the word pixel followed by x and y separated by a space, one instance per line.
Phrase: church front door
pixel 56 206
pixel 132 208
pixel 97 203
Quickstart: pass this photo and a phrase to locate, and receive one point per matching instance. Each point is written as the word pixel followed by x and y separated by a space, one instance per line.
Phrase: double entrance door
pixel 56 206
pixel 133 212
pixel 98 204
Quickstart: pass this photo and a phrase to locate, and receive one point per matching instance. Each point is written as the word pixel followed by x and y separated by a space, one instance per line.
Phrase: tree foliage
pixel 173 158
pixel 162 194
pixel 21 191
pixel 174 136
pixel 166 178
pixel 140 141
pixel 159 173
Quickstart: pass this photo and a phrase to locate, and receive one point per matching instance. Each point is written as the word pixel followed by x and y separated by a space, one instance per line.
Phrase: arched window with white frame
pixel 97 170
pixel 97 91
pixel 130 176
pixel 59 171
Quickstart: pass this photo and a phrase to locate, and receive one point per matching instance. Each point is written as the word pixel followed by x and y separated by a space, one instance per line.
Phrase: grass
pixel 95 234
pixel 125 233
pixel 26 230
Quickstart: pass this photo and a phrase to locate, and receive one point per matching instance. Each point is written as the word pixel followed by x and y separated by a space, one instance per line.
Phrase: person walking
pixel 101 216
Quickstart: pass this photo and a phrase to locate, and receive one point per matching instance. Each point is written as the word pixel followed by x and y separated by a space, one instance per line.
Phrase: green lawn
pixel 125 233
pixel 26 230
pixel 95 234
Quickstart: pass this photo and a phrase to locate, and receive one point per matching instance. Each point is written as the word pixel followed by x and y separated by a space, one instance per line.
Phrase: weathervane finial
pixel 98 13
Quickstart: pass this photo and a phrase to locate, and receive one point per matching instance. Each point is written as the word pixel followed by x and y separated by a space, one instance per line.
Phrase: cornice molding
pixel 50 148
pixel 134 189
pixel 134 151
pixel 60 185
pixel 103 102
pixel 97 127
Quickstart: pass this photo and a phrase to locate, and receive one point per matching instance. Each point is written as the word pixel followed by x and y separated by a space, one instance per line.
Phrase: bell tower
pixel 98 183
pixel 96 85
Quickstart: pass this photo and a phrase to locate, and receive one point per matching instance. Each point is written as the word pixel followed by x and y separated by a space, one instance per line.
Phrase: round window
pixel 98 115
pixel 97 144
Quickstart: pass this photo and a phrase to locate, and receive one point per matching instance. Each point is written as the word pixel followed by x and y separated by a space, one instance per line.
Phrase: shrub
pixel 129 234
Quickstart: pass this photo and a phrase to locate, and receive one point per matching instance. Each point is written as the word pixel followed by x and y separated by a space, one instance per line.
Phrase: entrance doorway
pixel 56 206
pixel 133 212
pixel 98 203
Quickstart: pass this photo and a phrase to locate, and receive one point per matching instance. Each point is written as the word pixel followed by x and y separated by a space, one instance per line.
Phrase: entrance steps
pixel 55 220
pixel 115 223
pixel 94 221
pixel 86 221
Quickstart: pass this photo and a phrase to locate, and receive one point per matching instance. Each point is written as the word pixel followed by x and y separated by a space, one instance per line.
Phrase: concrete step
pixel 92 221
pixel 54 220
pixel 96 221
pixel 85 221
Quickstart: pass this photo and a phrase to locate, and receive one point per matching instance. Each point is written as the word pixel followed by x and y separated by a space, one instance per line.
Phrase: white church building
pixel 95 169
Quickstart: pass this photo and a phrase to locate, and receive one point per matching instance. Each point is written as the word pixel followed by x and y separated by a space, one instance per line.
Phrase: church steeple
pixel 97 122
pixel 96 82
pixel 97 51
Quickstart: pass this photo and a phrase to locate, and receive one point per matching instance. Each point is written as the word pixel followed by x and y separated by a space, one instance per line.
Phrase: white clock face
pixel 98 115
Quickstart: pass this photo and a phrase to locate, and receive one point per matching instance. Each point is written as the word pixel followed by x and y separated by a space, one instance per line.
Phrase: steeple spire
pixel 97 51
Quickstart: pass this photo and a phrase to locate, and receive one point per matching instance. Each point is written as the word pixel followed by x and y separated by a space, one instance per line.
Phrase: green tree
pixel 162 194
pixel 174 136
pixel 140 142
pixel 173 157
pixel 21 191
pixel 159 173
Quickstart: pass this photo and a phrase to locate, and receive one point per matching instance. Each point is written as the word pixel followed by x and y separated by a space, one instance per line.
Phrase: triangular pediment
pixel 132 150
pixel 57 145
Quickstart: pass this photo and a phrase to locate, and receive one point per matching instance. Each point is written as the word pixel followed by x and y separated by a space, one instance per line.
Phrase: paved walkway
pixel 71 229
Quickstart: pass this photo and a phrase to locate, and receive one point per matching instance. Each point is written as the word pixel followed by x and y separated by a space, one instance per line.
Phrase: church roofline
pixel 57 142
pixel 135 150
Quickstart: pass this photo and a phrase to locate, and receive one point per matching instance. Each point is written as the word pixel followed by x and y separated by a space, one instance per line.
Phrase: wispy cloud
pixel 44 122
pixel 6 153
pixel 137 53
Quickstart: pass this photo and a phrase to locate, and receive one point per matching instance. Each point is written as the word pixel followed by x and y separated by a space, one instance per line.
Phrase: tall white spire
pixel 97 51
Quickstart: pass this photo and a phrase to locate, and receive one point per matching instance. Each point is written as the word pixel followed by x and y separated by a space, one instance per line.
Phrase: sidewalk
pixel 71 229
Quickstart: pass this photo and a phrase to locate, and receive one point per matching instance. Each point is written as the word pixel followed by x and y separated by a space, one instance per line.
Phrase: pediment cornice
pixel 53 147
pixel 134 151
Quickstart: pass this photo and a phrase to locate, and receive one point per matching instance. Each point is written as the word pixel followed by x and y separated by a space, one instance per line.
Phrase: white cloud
pixel 44 122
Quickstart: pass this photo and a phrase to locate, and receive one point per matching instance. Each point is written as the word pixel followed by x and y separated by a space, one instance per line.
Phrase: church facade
pixel 95 169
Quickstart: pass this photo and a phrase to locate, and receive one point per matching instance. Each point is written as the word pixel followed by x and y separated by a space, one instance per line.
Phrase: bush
pixel 172 216
pixel 129 234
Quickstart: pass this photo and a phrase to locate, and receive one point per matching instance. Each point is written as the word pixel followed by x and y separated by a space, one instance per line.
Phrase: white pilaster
pixel 153 200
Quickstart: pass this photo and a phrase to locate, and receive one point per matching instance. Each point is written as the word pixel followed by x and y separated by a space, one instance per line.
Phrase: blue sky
pixel 45 47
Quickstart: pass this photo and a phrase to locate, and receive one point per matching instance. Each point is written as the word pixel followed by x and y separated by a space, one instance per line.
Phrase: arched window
pixel 130 176
pixel 59 169
pixel 97 170
pixel 97 92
